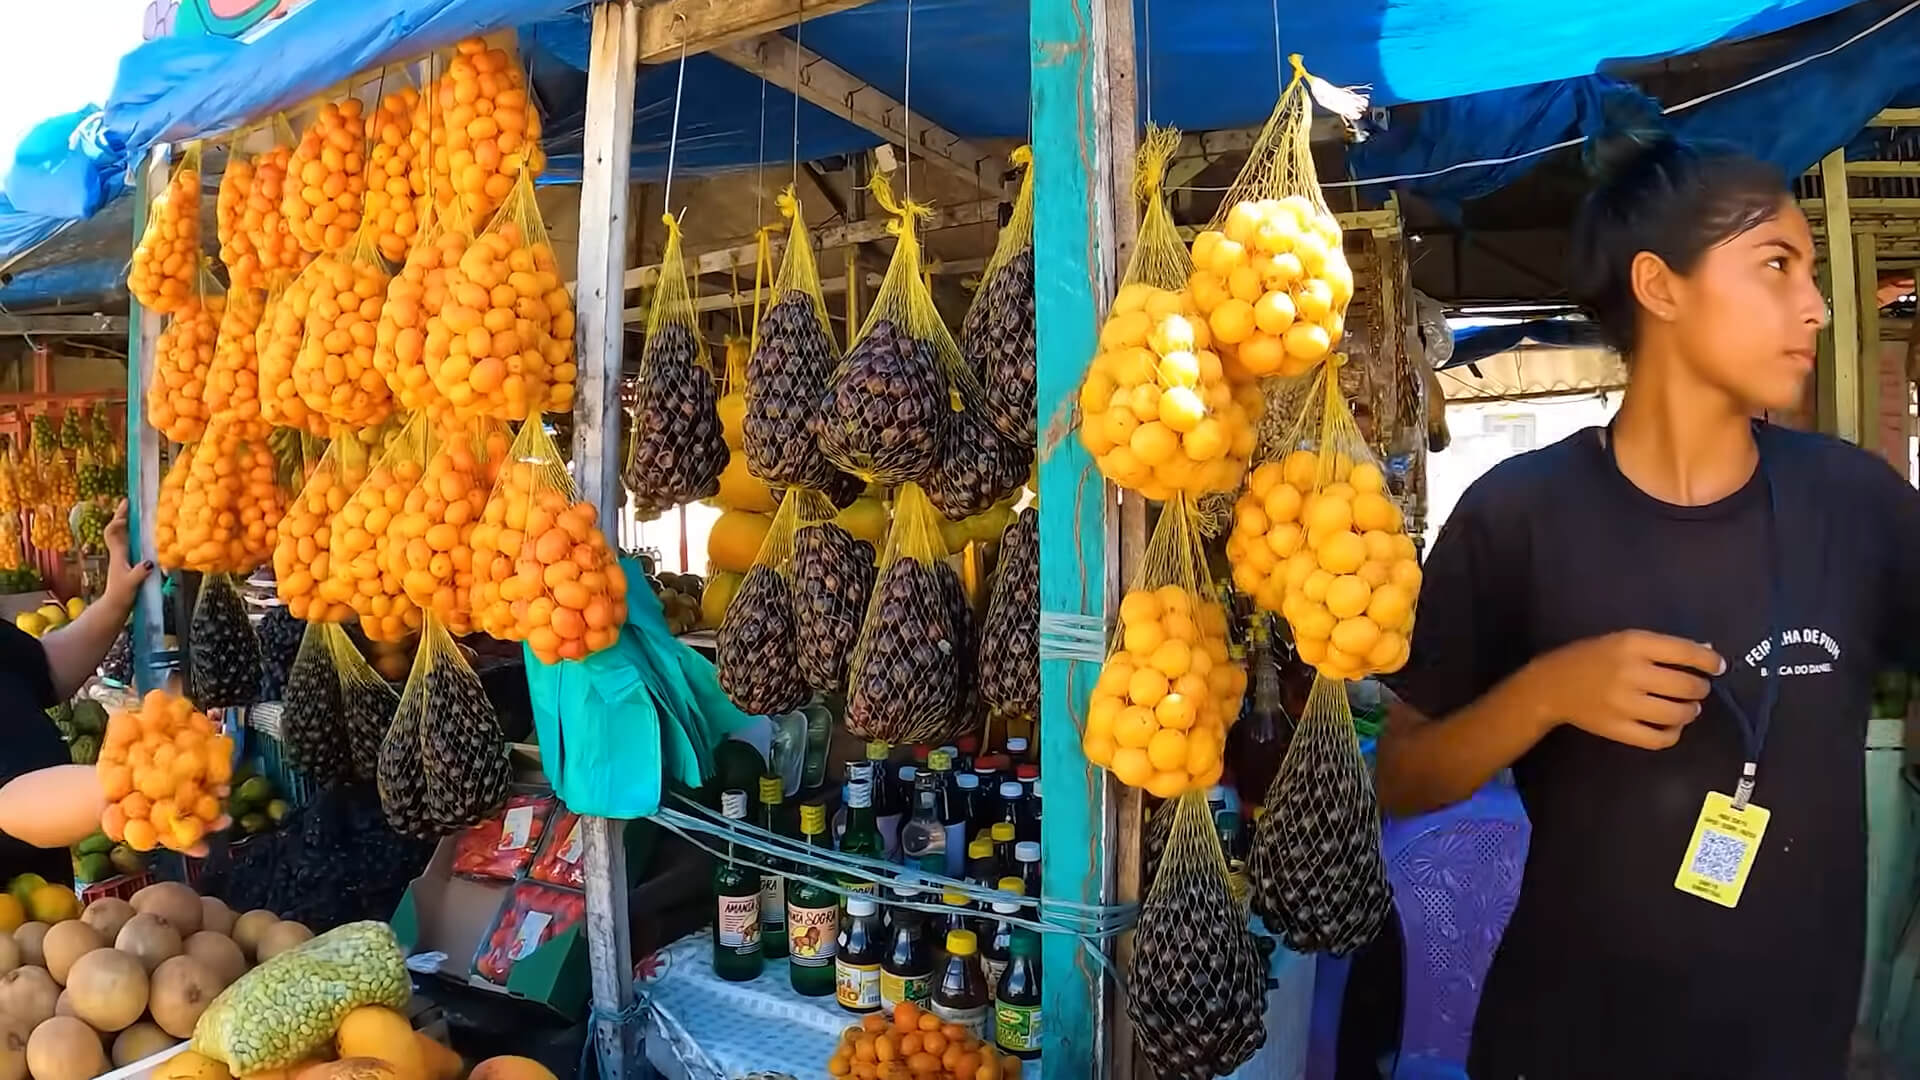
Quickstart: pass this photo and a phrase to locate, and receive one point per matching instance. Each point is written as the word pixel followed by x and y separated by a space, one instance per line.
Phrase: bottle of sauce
pixel 813 918
pixel 987 768
pixel 1016 1000
pixel 906 973
pixel 889 808
pixel 736 891
pixel 981 869
pixel 1012 798
pixel 946 803
pixel 966 747
pixel 1017 751
pixel 960 995
pixel 1003 841
pixel 773 886
pixel 967 791
pixel 862 947
pixel 995 951
pixel 956 914
pixel 1026 855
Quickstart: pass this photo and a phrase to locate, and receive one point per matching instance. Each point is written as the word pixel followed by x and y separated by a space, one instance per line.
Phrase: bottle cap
pixel 981 848
pixel 952 750
pixel 1003 832
pixel 920 755
pixel 962 942
pixel 771 789
pixel 906 773
pixel 967 781
pixel 953 899
pixel 1003 908
pixel 813 818
pixel 1027 851
pixel 859 794
pixel 940 760
pixel 733 804
pixel 861 905
pixel 857 771
pixel 1011 789
pixel 1027 772
pixel 990 763
pixel 1217 793
pixel 968 744
pixel 877 750
pixel 1016 745
pixel 1012 885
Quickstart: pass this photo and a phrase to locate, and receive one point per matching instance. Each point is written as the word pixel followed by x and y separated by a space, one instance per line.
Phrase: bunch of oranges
pixel 477 132
pixel 357 574
pixel 428 544
pixel 233 376
pixel 230 210
pixel 1160 711
pixel 418 291
pixel 11 555
pixel 230 503
pixel 1157 410
pixel 302 550
pixel 263 223
pixel 49 531
pixel 327 177
pixel 182 360
pixel 333 372
pixel 392 211
pixel 1319 541
pixel 280 343
pixel 501 345
pixel 166 264
pixel 164 770
pixel 168 548
pixel 1274 286
pixel 916 1046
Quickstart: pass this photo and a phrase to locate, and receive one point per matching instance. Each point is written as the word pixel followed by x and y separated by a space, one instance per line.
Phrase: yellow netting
pixel 177 404
pixel 678 448
pixel 280 343
pixel 356 567
pixel 429 541
pixel 233 378
pixel 416 296
pixel 228 511
pixel 1169 689
pixel 237 253
pixel 997 334
pixel 166 263
pixel 302 554
pixel 334 372
pixel 904 681
pixel 755 648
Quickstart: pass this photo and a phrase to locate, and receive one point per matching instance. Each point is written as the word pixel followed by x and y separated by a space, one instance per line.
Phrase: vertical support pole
pixel 1839 374
pixel 1866 260
pixel 143 448
pixel 1074 274
pixel 600 299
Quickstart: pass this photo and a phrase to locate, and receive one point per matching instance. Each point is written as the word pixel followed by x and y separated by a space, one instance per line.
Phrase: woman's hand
pixel 1633 687
pixel 123 580
pixel 75 650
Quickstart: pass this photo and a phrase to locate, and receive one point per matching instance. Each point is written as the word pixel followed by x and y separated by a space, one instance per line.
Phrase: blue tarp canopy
pixel 1206 66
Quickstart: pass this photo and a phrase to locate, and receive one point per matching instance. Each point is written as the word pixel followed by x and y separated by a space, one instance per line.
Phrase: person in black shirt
pixel 36 675
pixel 1634 618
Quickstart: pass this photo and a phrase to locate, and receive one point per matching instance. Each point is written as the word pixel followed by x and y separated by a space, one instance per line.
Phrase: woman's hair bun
pixel 1616 154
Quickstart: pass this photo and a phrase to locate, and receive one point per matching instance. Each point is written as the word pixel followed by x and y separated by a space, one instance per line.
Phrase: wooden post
pixel 1866 260
pixel 143 448
pixel 1075 274
pixel 599 299
pixel 1839 374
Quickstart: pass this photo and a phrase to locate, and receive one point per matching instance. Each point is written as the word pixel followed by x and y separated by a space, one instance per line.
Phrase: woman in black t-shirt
pixel 1639 616
pixel 34 676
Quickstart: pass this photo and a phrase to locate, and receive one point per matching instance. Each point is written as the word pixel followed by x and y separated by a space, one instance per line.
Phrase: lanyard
pixel 1753 725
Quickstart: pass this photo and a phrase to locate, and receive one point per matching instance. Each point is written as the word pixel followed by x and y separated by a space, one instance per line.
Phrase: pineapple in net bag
pixel 1170 688
pixel 1158 411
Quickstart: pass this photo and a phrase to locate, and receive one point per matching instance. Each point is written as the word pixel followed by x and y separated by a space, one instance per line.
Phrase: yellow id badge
pixel 1725 842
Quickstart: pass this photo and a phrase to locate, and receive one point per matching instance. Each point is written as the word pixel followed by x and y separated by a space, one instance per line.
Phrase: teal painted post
pixel 1074 275
pixel 143 451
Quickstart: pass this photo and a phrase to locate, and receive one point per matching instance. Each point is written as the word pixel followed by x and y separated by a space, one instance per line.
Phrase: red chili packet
pixel 563 856
pixel 532 915
pixel 500 847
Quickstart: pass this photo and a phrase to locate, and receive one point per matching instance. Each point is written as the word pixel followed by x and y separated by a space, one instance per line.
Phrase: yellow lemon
pixel 1316 623
pixel 1131 767
pixel 1311 248
pixel 1203 245
pixel 1175 711
pixel 1134 726
pixel 1386 649
pixel 1174 599
pixel 1301 468
pixel 1282 503
pixel 1406 574
pixel 1181 409
pixel 1146 688
pixel 1339 279
pixel 1208 440
pixel 1203 750
pixel 1374 572
pixel 1342 553
pixel 1168 750
pixel 1131 366
pixel 1168 785
pixel 1141 638
pixel 1094 393
pixel 1316 586
pixel 1263 479
pixel 1249 519
pixel 1227 255
pixel 1282 272
pixel 1285 540
pixel 1173 334
pixel 1328 513
pixel 1132 297
pixel 1379 546
pixel 1101 712
pixel 1209 291
pixel 1118 425
pixel 1313 651
pixel 1098 749
pixel 1210 369
pixel 1124 328
pixel 1300 566
pixel 1306 341
pixel 1262 353
pixel 1144 402
pixel 1153 442
pixel 1164 302
pixel 1178 626
pixel 1243 221
pixel 1231 321
pixel 1390 605
pixel 1171 660
pixel 1356 637
pixel 1403 547
pixel 1139 605
pixel 1114 675
pixel 1274 312
pixel 1179 368
pixel 1347 596
pixel 1372 511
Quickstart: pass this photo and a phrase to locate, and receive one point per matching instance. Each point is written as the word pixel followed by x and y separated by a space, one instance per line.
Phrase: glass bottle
pixel 1003 840
pixel 1016 1000
pixel 956 914
pixel 987 768
pixel 966 787
pixel 1013 801
pixel 923 837
pixel 853 773
pixel 995 950
pixel 1017 751
pixel 736 891
pixel 967 748
pixel 862 836
pixel 813 771
pixel 946 803
pixel 960 996
pixel 906 974
pixel 888 807
pixel 981 868
pixel 813 918
pixel 1026 855
pixel 773 886
pixel 856 966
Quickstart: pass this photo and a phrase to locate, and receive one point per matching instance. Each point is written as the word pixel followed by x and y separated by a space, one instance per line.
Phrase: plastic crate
pixel 268 756
pixel 121 887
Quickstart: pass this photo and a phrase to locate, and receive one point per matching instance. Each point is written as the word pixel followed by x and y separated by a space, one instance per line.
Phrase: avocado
pixel 126 860
pixel 92 868
pixel 254 823
pixel 254 792
pixel 277 811
pixel 97 844
pixel 90 717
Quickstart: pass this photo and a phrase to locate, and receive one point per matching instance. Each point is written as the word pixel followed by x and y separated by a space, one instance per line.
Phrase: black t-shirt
pixel 1606 969
pixel 28 741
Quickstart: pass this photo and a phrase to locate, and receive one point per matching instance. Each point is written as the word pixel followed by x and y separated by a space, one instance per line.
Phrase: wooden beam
pixel 1839 367
pixel 65 325
pixel 607 143
pixel 1867 305
pixel 1902 206
pixel 798 69
pixel 1883 168
pixel 143 448
pixel 706 25
pixel 1896 118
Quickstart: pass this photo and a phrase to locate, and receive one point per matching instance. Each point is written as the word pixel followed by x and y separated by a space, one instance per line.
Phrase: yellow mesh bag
pixel 230 209
pixel 263 221
pixel 677 449
pixel 302 551
pixel 334 372
pixel 9 477
pixel 415 295
pixel 166 269
pixel 543 572
pixel 755 648
pixel 233 376
pixel 905 679
pixel 1157 410
pixel 1270 273
pixel 476 130
pixel 1169 689
pixel 168 545
pixel 280 344
pixel 428 544
pixel 182 360
pixel 326 177
pixel 230 502
pixel 394 203
pixel 357 574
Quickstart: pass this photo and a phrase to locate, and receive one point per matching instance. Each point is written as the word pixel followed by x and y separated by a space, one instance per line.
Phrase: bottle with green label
pixel 813 918
pixel 996 949
pixel 857 965
pixel 907 971
pixel 736 891
pixel 862 836
pixel 960 997
pixel 773 886
pixel 1016 1004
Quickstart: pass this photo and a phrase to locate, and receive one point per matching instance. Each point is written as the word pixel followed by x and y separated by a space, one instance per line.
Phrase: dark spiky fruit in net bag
pixel 118 665
pixel 369 705
pixel 677 447
pixel 832 581
pixel 997 338
pixel 759 667
pixel 462 748
pixel 280 634
pixel 1197 989
pixel 966 649
pixel 1010 634
pixel 885 408
pixel 223 651
pixel 786 378
pixel 1317 876
pixel 978 466
pixel 904 679
pixel 310 722
pixel 401 776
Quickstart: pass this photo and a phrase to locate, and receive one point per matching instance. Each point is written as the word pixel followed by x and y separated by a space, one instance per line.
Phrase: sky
pixel 61 56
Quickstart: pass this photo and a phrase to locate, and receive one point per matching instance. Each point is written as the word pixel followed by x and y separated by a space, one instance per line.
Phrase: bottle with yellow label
pixel 813 918
pixel 862 948
pixel 736 890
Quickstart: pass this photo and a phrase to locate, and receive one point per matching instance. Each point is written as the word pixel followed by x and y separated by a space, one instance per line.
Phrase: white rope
pixel 1072 636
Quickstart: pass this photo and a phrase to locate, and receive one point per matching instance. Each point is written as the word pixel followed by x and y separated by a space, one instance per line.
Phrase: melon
pixel 717 596
pixel 375 1031
pixel 108 989
pixel 733 414
pixel 28 994
pixel 172 901
pixel 28 937
pixel 9 953
pixel 151 939
pixel 215 915
pixel 107 915
pixel 220 955
pixel 142 1040
pixel 248 928
pixel 13 1048
pixel 65 1049
pixel 63 1005
pixel 741 490
pixel 66 942
pixel 280 937
pixel 734 541
pixel 866 519
pixel 508 1067
pixel 182 989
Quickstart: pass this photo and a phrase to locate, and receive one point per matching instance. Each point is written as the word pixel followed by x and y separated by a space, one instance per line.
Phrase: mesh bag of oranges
pixel 302 550
pixel 165 273
pixel 1158 411
pixel 9 477
pixel 393 204
pixel 501 346
pixel 326 177
pixel 428 544
pixel 1270 273
pixel 677 449
pixel 475 129
pixel 263 221
pixel 334 372
pixel 233 375
pixel 164 770
pixel 357 567
pixel 543 572
pixel 1169 688
pixel 230 503
pixel 904 680
pixel 229 215
pixel 278 344
pixel 183 361
pixel 417 293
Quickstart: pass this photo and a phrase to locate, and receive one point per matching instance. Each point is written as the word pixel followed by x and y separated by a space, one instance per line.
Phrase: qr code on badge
pixel 1718 857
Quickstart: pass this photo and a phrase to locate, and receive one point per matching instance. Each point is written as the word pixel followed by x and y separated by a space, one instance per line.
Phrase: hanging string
pixel 760 163
pixel 673 136
pixel 1279 58
pixel 1146 34
pixel 906 110
pixel 798 25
